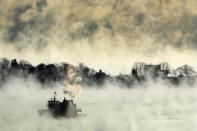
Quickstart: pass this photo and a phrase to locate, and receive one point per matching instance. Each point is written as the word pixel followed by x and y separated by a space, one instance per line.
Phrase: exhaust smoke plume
pixel 71 87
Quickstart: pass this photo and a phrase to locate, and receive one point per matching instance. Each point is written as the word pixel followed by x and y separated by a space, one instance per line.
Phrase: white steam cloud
pixel 112 34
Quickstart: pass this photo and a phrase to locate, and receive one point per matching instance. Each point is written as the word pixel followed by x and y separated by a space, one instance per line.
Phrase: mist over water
pixel 153 108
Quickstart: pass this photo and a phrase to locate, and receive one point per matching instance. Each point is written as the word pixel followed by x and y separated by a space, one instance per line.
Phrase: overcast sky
pixel 107 34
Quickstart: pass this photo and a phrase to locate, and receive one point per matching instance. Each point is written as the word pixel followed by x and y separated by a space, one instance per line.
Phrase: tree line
pixel 49 74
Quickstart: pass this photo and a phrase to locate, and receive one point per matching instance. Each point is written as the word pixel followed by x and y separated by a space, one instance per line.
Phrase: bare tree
pixel 164 66
pixel 185 70
pixel 139 67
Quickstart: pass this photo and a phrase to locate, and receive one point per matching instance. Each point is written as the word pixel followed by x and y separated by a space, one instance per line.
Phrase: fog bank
pixel 111 108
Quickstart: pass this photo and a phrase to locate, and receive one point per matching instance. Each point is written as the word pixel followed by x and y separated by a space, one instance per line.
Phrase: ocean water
pixel 155 108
